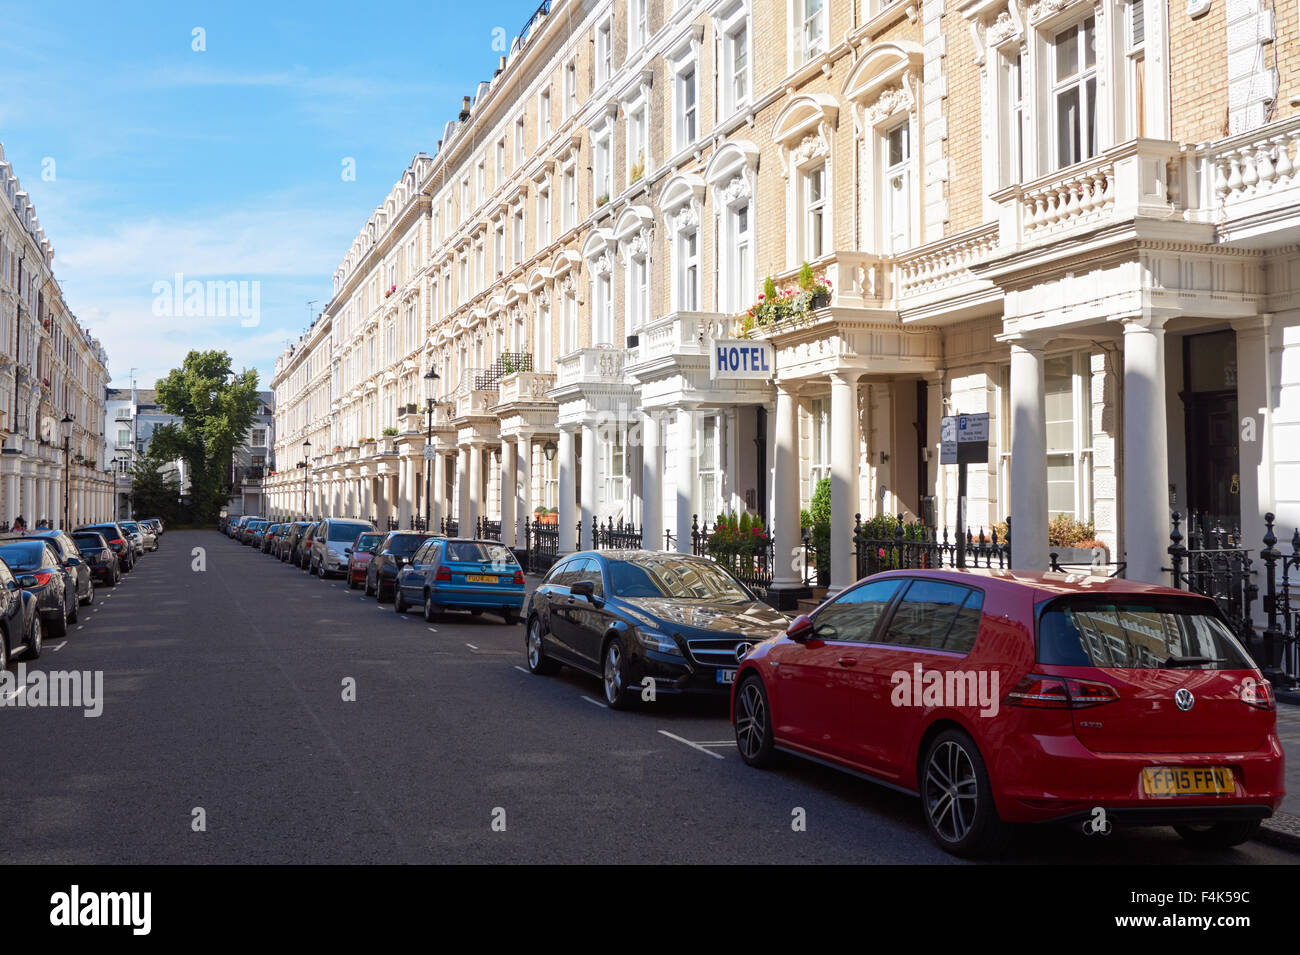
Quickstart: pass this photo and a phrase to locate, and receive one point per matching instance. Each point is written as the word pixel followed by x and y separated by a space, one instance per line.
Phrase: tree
pixel 216 408
pixel 154 491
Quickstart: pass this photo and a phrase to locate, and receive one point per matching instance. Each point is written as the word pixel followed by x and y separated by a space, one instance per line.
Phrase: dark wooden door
pixel 1213 465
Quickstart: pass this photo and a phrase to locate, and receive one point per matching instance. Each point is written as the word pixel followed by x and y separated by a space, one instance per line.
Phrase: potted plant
pixel 602 199
pixel 390 432
pixel 817 289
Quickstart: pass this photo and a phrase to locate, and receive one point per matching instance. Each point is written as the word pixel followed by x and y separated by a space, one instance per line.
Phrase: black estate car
pixel 98 556
pixel 37 564
pixel 684 622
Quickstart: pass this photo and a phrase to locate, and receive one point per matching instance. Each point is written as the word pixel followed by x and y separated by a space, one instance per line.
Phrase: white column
pixel 590 469
pixel 525 468
pixel 438 491
pixel 476 452
pixel 845 441
pixel 1029 548
pixel 13 502
pixel 1146 452
pixel 785 491
pixel 463 491
pixel 565 516
pixel 685 454
pixel 404 491
pixel 29 500
pixel 508 468
pixel 652 487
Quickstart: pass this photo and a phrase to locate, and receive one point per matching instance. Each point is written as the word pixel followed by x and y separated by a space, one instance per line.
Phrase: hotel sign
pixel 739 358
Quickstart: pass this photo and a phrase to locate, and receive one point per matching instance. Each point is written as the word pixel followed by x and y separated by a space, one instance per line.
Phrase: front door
pixel 1213 468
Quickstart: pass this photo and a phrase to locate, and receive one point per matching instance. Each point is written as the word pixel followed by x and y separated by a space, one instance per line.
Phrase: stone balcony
pixel 856 279
pixel 526 387
pixel 680 334
pixel 1128 181
pixel 1248 185
pixel 592 381
pixel 591 366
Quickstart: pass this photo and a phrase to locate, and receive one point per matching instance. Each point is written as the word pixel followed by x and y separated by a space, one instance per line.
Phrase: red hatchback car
pixel 359 556
pixel 1016 697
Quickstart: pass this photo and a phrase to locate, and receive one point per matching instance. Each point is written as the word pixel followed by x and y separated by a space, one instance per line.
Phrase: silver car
pixel 332 545
pixel 142 538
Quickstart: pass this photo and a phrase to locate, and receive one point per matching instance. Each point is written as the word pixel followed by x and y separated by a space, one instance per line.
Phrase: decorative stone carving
pixel 736 190
pixel 1002 29
pixel 812 146
pixel 604 264
pixel 688 218
pixel 638 246
pixel 891 100
pixel 1045 8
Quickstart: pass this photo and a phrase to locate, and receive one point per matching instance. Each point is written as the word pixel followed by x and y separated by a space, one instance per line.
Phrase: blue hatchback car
pixel 460 574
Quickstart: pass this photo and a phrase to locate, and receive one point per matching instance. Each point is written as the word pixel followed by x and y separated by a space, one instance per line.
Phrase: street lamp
pixel 430 393
pixel 549 449
pixel 306 473
pixel 67 464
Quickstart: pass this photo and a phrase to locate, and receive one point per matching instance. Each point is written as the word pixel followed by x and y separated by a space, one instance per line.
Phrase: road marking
pixel 61 645
pixel 521 669
pixel 80 625
pixel 16 692
pixel 597 702
pixel 471 646
pixel 430 629
pixel 707 752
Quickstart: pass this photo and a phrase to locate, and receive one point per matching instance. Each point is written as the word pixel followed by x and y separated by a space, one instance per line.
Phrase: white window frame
pixel 521 148
pixel 637 24
pixel 604 51
pixel 735 81
pixel 891 173
pixel 1088 145
pixel 814 214
pixel 686 104
pixel 686 269
pixel 813 28
pixel 544 115
pixel 570 87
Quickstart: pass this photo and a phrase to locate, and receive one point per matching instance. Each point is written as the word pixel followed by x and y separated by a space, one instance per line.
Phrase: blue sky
pixel 223 164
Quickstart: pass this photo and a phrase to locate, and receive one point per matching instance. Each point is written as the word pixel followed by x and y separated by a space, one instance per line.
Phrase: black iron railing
pixel 509 363
pixel 1212 565
pixel 488 530
pixel 750 557
pixel 1281 637
pixel 541 545
pixel 611 536
pixel 916 546
pixel 450 527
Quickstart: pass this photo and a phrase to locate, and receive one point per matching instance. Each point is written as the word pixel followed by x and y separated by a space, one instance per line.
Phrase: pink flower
pixel 760 296
pixel 881 552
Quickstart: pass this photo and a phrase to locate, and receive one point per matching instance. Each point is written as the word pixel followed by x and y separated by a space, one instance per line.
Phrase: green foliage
pixel 389 432
pixel 735 539
pixel 769 289
pixel 806 277
pixel 155 493
pixel 1065 531
pixel 216 407
pixel 775 306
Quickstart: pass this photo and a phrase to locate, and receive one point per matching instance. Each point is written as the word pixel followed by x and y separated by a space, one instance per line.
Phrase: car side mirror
pixel 346 551
pixel 74 562
pixel 801 630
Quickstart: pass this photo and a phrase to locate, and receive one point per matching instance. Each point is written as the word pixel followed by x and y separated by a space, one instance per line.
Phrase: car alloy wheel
pixel 90 593
pixel 399 601
pixel 753 727
pixel 37 639
pixel 428 608
pixel 951 791
pixel 613 675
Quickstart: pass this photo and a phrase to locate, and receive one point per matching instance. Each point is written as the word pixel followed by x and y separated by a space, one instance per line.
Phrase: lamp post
pixel 306 473
pixel 430 391
pixel 67 464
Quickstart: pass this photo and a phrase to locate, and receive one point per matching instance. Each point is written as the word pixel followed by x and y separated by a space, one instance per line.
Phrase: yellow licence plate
pixel 1176 781
pixel 480 579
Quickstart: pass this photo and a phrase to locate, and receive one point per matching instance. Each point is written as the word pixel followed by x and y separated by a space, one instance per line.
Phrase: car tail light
pixel 43 576
pixel 443 574
pixel 1259 694
pixel 1058 693
pixel 519 578
pixel 117 541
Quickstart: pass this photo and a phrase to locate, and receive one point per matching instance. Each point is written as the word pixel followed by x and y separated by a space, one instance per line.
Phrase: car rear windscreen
pixel 475 552
pixel 22 557
pixel 1136 634
pixel 404 545
pixel 89 541
pixel 347 532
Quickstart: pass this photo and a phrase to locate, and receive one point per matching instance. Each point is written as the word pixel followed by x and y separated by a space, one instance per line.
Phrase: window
pixel 1135 53
pixel 1069 435
pixel 602 168
pixel 636 142
pixel 928 612
pixel 1074 93
pixel 542 336
pixel 570 198
pixel 820 436
pixel 852 616
pixel 480 181
pixel 520 153
pixel 570 318
pixel 544 116
pixel 708 468
pixel 688 270
pixel 604 52
pixel 687 112
pixel 813 35
pixel 501 164
pixel 814 213
pixel 1013 164
pixel 571 88
pixel 636 23
pixel 615 465
pixel 517 234
pixel 638 293
pixel 735 281
pixel 735 55
pixel 897 188
pixel 499 250
pixel 543 217
pixel 602 326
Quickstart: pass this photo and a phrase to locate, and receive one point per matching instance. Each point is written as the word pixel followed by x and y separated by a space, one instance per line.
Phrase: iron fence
pixel 1211 564
pixel 450 527
pixel 488 530
pixel 611 536
pixel 541 545
pixel 751 560
pixel 916 546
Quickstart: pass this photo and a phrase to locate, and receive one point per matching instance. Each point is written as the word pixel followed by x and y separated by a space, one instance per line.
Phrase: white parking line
pixel 707 752
pixel 597 702
pixel 431 630
pixel 471 646
pixel 61 645
pixel 522 670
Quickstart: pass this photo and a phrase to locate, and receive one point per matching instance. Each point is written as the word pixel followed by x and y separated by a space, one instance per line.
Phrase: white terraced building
pixel 1078 217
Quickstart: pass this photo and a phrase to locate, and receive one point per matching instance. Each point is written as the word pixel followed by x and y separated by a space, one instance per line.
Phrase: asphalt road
pixel 224 692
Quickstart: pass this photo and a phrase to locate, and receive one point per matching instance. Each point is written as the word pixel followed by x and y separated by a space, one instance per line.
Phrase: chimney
pixel 464 109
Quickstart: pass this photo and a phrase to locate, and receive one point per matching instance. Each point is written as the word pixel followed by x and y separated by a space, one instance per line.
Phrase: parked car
pixel 73 563
pixel 683 621
pixel 395 550
pixel 362 550
pixel 136 535
pixel 51 583
pixel 1026 697
pixel 292 536
pixel 21 632
pixel 118 539
pixel 302 554
pixel 99 556
pixel 157 523
pixel 253 537
pixel 268 537
pixel 461 574
pixel 329 546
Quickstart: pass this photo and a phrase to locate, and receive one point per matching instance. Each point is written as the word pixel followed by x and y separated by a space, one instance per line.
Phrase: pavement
pixel 253 714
